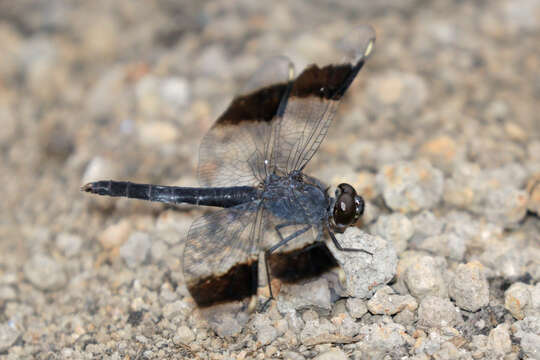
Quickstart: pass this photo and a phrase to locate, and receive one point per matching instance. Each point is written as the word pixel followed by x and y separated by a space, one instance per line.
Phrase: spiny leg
pixel 269 251
pixel 340 248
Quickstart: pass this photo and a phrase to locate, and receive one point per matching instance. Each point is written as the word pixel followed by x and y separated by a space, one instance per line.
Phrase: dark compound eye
pixel 348 207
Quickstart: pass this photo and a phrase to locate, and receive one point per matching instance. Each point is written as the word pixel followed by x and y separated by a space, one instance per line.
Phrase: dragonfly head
pixel 348 207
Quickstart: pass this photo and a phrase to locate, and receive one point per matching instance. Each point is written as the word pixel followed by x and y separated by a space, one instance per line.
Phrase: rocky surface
pixel 440 133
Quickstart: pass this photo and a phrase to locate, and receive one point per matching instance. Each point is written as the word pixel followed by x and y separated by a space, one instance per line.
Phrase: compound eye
pixel 344 210
pixel 359 207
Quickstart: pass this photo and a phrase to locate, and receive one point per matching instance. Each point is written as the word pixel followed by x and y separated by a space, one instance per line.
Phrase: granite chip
pixel 437 312
pixel 424 277
pixel 115 235
pixel 45 273
pixel 364 273
pixel 356 307
pixel 469 287
pixel 334 354
pixel 183 335
pixel 395 227
pixel 8 337
pixel 69 244
pixel 499 340
pixel 136 249
pixel 386 302
pixel 410 186
pixel 314 293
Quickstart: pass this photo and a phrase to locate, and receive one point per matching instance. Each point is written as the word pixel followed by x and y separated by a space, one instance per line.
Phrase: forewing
pixel 237 148
pixel 313 101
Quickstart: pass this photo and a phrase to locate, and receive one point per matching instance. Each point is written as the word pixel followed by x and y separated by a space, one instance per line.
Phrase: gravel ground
pixel 441 132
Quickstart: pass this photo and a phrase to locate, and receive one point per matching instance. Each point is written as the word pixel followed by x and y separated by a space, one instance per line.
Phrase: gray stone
pixel 395 227
pixel 8 336
pixel 443 151
pixel 69 244
pixel 506 206
pixel 45 273
pixel 383 336
pixel 114 235
pixel 396 95
pixel 386 302
pixel 7 293
pixel 516 299
pixel 405 317
pixel 266 332
pixel 437 312
pixel 499 340
pixel 528 331
pixel 450 245
pixel 318 331
pixel 136 249
pixel 426 224
pixel 469 287
pixel 410 186
pixel 291 355
pixel 356 307
pixel 424 277
pixel 334 354
pixel 530 343
pixel 306 295
pixel 176 308
pixel 364 273
pixel 183 335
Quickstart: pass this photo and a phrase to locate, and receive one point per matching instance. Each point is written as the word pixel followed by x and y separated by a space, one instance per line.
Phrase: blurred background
pixel 126 89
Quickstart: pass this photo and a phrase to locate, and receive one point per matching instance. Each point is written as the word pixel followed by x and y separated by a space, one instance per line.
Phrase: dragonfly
pixel 251 164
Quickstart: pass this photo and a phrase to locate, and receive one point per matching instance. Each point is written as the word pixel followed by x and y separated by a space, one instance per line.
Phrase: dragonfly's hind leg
pixel 269 251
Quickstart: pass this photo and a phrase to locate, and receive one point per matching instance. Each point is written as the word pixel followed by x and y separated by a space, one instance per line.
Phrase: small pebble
pixel 516 298
pixel 450 245
pixel 69 244
pixel 528 332
pixel 437 312
pixel 301 296
pixel 469 287
pixel 318 331
pixel 405 317
pixel 383 336
pixel 334 354
pixel 115 235
pixel 506 206
pixel 499 340
pixel 410 186
pixel 157 132
pixel 396 95
pixel 426 224
pixel 364 273
pixel 395 227
pixel 8 336
pixel 136 249
pixel 356 307
pixel 45 273
pixel 424 277
pixel 7 293
pixel 386 302
pixel 443 151
pixel 266 332
pixel 183 335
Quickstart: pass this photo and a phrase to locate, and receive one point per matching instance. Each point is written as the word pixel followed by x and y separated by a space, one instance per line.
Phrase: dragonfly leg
pixel 340 248
pixel 269 251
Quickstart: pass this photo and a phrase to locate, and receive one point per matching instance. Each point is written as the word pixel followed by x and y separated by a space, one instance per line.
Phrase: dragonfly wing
pixel 313 101
pixel 237 148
